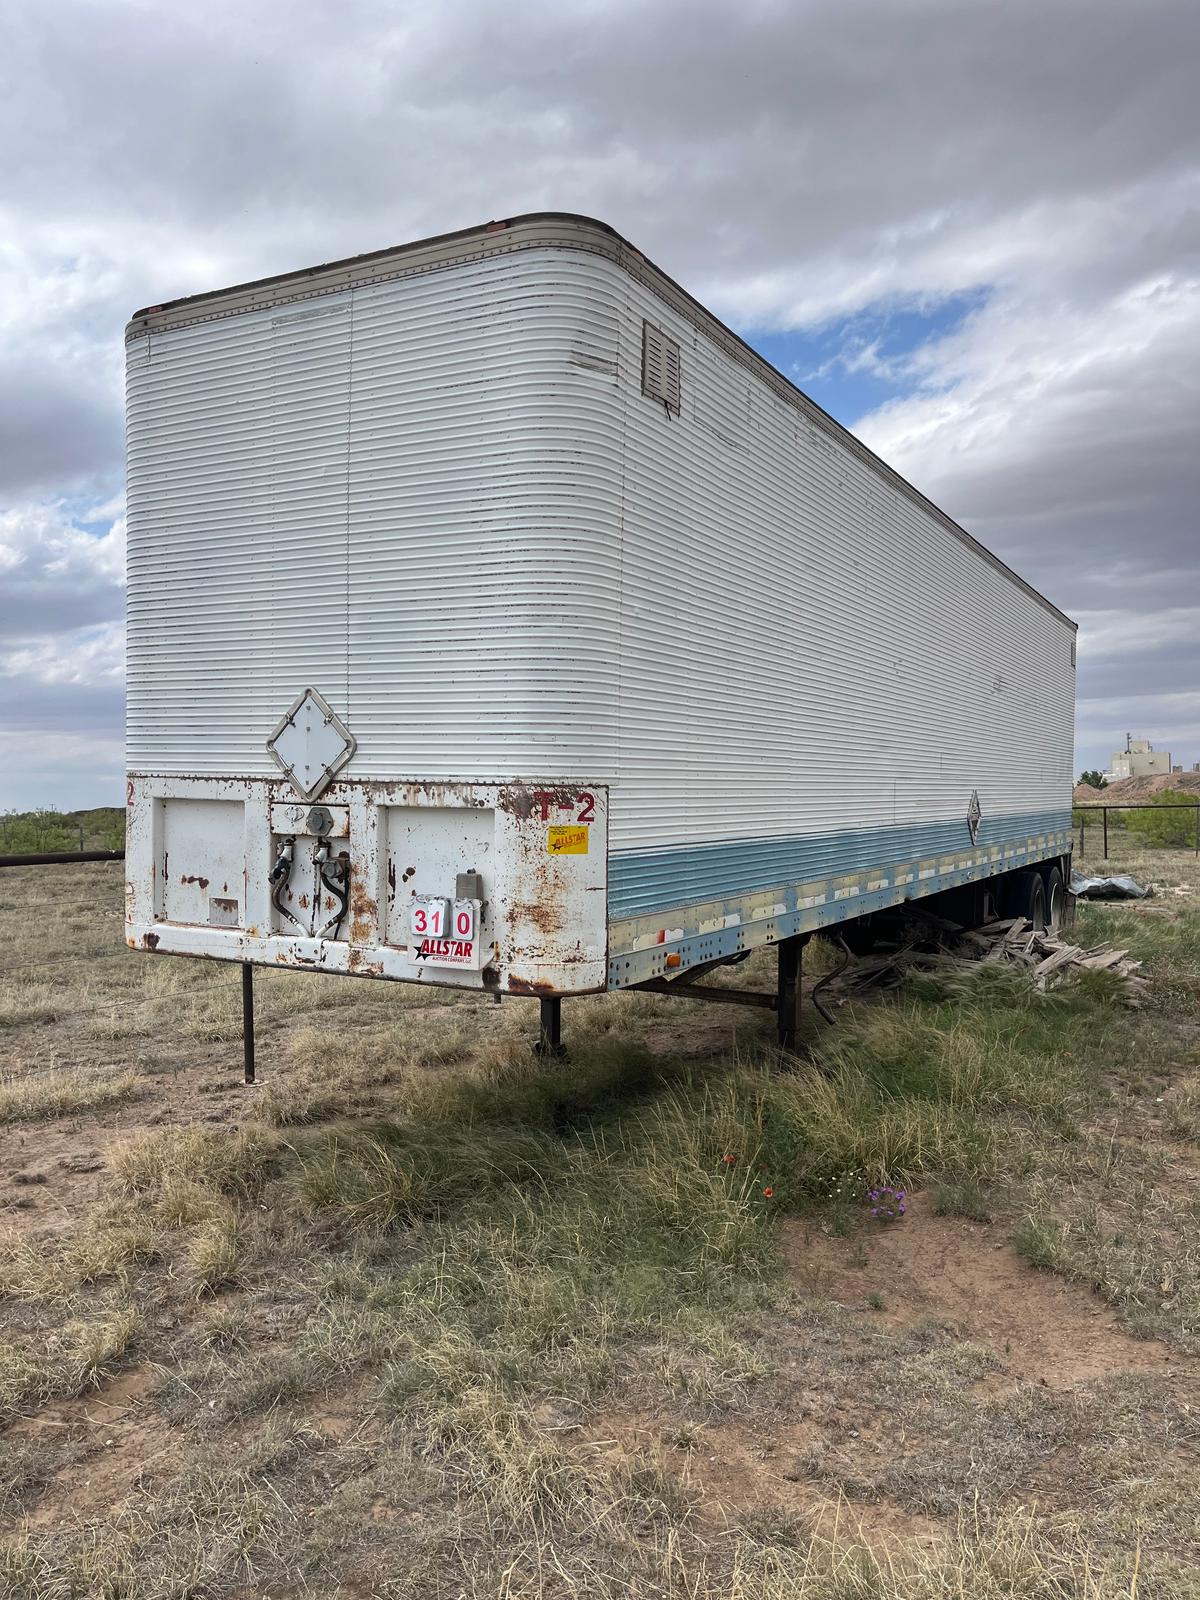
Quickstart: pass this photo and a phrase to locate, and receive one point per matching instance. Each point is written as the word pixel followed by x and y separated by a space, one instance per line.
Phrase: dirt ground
pixel 887 1381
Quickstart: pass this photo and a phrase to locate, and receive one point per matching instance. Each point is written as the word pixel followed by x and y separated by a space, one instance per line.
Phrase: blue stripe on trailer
pixel 645 881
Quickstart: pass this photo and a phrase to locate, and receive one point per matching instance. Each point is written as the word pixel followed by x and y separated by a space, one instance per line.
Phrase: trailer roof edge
pixel 557 229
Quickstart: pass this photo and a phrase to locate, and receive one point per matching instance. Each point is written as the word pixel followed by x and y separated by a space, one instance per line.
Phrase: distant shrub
pixel 46 830
pixel 1163 829
pixel 1094 779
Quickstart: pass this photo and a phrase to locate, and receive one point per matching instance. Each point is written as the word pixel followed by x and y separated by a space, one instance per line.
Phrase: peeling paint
pixel 543 923
pixel 517 985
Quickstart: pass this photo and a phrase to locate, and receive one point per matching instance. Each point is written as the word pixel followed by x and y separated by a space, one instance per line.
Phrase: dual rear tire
pixel 1037 896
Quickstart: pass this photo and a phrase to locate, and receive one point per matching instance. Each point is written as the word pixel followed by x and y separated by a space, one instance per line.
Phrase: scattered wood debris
pixel 1052 957
pixel 931 942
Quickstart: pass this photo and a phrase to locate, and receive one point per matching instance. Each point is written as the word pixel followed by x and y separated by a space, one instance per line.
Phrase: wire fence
pixel 52 858
pixel 74 835
pixel 1103 831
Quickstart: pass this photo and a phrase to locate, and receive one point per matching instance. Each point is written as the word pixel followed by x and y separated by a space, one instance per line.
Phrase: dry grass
pixel 161 1163
pixel 213 1253
pixel 25 1003
pixel 77 1356
pixel 65 1093
pixel 424 1315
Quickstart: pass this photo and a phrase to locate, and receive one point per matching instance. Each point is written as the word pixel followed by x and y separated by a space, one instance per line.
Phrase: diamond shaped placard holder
pixel 311 744
pixel 974 814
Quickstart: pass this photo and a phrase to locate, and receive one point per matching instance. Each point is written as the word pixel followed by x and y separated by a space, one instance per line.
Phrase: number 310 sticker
pixel 432 917
pixel 429 918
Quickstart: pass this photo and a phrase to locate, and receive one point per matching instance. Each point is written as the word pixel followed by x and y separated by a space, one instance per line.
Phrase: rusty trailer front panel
pixel 484 886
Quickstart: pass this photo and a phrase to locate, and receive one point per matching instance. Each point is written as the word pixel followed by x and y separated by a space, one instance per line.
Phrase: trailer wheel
pixel 1056 896
pixel 1027 898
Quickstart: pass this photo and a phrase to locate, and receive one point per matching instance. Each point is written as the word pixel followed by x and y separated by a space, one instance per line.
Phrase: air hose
pixel 279 877
pixel 335 877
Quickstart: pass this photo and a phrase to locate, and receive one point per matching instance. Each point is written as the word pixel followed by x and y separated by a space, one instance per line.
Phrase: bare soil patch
pixel 968 1275
pixel 733 1470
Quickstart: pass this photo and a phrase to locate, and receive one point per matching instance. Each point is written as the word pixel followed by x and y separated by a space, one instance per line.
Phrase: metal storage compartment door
pixel 200 853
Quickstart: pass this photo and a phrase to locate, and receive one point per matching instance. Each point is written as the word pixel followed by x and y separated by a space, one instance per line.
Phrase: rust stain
pixel 547 916
pixel 191 877
pixel 519 802
pixel 438 794
pixel 150 941
pixel 364 913
pixel 541 804
pixel 409 872
pixel 303 902
pixel 391 879
pixel 528 986
pixel 358 963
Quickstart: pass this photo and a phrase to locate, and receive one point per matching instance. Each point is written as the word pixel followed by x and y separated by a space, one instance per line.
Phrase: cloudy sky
pixel 969 228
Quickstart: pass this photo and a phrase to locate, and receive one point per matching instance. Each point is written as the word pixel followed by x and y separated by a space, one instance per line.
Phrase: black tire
pixel 1026 897
pixel 1056 898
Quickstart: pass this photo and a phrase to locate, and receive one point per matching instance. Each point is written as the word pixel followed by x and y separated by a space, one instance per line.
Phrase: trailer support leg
pixel 248 1021
pixel 787 1013
pixel 549 1041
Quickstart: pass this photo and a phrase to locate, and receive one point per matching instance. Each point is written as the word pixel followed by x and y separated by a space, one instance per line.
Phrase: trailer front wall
pixel 404 494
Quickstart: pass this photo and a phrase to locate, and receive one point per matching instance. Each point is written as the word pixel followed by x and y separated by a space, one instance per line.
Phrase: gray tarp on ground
pixel 1107 888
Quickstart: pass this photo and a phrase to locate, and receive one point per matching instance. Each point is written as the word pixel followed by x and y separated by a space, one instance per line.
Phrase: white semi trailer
pixel 499 619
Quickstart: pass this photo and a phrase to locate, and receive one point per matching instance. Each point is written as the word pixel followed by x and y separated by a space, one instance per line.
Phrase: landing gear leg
pixel 247 1022
pixel 787 1011
pixel 549 1041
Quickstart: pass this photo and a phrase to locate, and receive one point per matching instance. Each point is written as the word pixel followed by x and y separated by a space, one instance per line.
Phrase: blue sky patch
pixel 856 363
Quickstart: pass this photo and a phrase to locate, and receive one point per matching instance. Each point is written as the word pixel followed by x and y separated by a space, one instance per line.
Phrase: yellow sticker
pixel 567 840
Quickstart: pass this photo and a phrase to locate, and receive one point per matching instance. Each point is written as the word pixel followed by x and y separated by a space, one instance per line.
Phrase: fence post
pixel 1106 833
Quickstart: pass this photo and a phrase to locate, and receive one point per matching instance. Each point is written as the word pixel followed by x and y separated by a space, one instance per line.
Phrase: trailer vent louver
pixel 660 367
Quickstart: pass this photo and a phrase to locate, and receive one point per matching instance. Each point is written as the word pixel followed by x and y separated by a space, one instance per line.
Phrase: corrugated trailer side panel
pixel 817 675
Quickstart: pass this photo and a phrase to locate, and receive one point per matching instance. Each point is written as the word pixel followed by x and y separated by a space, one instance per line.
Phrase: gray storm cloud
pixel 790 163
